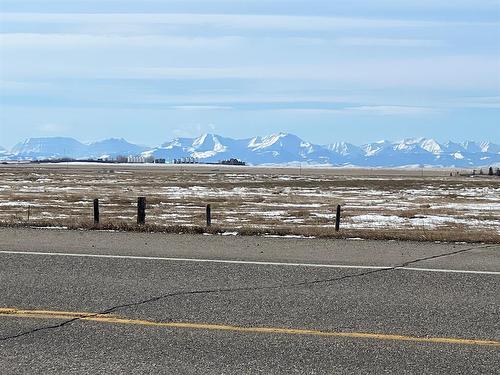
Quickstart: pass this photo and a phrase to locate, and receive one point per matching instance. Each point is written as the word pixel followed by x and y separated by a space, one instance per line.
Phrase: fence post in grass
pixel 337 219
pixel 96 211
pixel 141 210
pixel 209 215
pixel 29 211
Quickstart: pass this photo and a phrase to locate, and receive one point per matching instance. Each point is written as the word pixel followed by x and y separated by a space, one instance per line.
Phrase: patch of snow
pixel 55 228
pixel 269 213
pixel 287 236
pixel 20 204
pixel 378 219
pixel 325 216
pixel 469 206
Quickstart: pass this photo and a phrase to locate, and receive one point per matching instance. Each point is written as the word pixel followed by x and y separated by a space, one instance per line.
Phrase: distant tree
pixel 490 171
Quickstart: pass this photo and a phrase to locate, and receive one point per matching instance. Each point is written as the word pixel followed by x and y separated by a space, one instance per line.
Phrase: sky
pixel 334 70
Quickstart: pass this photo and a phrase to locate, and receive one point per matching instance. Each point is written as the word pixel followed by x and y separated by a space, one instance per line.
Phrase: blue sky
pixel 151 70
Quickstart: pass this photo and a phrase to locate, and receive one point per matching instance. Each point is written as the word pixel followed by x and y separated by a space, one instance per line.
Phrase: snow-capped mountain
pixel 471 146
pixel 280 148
pixel 62 147
pixel 345 153
pixel 452 147
pixel 425 151
pixel 49 148
pixel 286 148
pixel 111 148
pixel 277 148
pixel 345 149
pixel 406 152
pixel 4 153
pixel 207 147
pixel 376 148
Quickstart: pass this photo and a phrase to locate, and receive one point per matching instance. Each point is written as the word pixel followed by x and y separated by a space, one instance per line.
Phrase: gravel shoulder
pixel 252 248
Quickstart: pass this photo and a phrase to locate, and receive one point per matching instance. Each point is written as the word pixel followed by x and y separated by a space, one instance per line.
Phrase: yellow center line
pixel 113 319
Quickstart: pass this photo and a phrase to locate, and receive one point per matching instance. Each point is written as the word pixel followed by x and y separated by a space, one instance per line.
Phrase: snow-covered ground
pixel 259 199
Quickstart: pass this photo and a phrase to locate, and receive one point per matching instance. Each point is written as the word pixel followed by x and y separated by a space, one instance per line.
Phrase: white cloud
pixel 200 107
pixel 389 110
pixel 310 111
pixel 63 40
pixel 378 110
pixel 230 21
pixel 441 72
pixel 388 42
pixel 20 86
pixel 487 102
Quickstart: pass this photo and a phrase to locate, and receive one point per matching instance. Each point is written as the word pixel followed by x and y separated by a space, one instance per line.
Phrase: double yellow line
pixel 113 319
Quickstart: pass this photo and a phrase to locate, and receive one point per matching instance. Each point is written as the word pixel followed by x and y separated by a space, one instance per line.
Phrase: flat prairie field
pixel 416 204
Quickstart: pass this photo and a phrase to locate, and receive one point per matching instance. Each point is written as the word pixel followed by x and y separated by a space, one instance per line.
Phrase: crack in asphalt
pixel 309 283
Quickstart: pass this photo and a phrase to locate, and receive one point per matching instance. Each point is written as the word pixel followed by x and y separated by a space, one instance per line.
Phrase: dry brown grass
pixel 449 234
pixel 63 196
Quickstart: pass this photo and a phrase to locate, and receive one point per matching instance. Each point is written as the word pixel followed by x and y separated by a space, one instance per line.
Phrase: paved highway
pixel 106 302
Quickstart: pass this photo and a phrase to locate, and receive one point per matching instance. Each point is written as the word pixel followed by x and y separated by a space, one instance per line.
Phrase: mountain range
pixel 281 148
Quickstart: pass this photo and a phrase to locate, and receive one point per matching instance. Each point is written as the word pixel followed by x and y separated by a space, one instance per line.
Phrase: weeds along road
pixel 106 302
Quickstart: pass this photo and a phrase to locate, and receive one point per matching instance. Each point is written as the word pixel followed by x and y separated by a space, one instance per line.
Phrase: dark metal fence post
pixel 209 215
pixel 96 211
pixel 337 219
pixel 141 210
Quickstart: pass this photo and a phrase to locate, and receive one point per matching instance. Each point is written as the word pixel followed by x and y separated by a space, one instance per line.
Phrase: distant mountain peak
pixel 344 148
pixel 204 138
pixel 207 145
pixel 275 140
pixel 277 148
pixel 431 146
pixel 376 147
pixel 110 141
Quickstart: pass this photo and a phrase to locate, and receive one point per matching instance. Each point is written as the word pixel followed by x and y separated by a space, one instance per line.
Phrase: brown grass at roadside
pixel 447 234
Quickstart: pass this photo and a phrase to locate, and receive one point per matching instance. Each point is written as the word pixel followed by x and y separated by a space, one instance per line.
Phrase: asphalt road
pixel 104 302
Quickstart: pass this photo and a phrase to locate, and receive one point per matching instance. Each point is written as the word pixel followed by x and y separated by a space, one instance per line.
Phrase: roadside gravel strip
pixel 402 267
pixel 478 257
